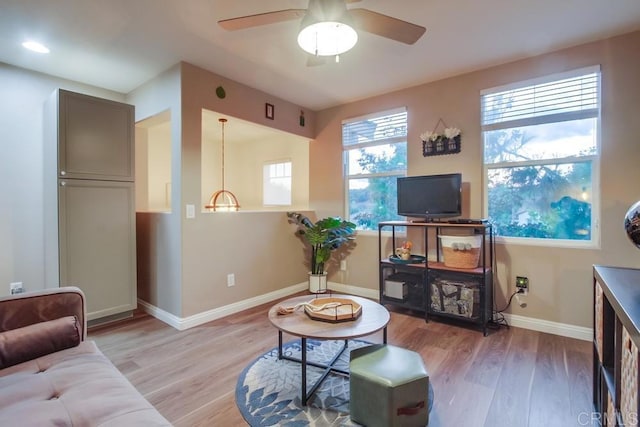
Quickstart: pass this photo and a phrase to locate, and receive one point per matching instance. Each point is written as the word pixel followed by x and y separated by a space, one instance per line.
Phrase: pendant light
pixel 223 200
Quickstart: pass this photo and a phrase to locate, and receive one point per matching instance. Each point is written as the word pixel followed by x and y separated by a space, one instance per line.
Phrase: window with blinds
pixel 574 97
pixel 276 183
pixel 541 157
pixel 375 155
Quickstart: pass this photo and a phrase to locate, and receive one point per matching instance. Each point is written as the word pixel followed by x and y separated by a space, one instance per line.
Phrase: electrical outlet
pixel 343 265
pixel 231 280
pixel 522 285
pixel 15 288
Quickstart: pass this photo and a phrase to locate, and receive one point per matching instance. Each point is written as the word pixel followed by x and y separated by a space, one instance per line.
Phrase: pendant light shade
pixel 327 29
pixel 223 200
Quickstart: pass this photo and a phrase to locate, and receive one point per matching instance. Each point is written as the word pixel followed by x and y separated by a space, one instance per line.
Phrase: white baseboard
pixel 354 290
pixel 555 328
pixel 182 323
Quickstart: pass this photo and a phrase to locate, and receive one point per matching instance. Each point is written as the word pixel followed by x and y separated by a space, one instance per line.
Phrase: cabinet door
pixel 95 138
pixel 629 381
pixel 97 243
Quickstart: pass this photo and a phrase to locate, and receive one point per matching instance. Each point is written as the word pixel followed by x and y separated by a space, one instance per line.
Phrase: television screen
pixel 430 196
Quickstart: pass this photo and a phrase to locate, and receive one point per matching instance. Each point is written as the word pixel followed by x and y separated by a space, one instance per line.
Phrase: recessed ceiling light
pixel 35 46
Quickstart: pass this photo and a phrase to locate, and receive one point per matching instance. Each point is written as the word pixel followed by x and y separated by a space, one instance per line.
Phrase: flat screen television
pixel 430 196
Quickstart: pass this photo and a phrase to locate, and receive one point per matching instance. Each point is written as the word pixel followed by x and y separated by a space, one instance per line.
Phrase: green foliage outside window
pixel 375 155
pixel 540 154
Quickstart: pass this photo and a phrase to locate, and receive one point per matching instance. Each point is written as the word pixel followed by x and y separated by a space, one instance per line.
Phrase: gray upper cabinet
pixel 95 138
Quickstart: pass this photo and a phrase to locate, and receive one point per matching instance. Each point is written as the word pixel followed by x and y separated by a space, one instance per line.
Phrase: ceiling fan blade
pixel 249 21
pixel 386 26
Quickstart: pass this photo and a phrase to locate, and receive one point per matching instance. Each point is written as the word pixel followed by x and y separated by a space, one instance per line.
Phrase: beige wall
pixel 560 279
pixel 188 259
pixel 247 147
pixel 153 167
pixel 259 248
pixel 185 262
pixel 159 235
pixel 21 171
pixel 251 158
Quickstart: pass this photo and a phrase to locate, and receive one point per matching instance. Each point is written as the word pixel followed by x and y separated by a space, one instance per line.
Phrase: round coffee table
pixel 374 318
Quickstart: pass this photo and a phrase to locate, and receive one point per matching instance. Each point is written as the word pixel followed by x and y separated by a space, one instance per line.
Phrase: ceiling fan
pixel 328 27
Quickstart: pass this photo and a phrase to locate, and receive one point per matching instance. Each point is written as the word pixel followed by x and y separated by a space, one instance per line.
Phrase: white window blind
pixel 575 97
pixel 374 129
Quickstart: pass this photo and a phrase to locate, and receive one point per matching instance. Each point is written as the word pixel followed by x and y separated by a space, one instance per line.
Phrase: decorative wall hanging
pixel 435 144
pixel 220 92
pixel 268 111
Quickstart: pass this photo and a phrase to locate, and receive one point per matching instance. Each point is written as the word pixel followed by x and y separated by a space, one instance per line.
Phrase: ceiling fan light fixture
pixel 328 38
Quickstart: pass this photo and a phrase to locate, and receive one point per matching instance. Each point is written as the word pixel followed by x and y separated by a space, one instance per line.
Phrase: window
pixel 375 155
pixel 277 184
pixel 541 156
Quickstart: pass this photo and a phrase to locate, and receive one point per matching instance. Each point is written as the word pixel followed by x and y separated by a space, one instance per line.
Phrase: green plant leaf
pixel 325 236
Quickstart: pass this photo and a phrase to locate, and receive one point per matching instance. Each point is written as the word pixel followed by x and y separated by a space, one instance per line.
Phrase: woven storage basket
pixel 461 251
pixel 629 379
pixel 599 320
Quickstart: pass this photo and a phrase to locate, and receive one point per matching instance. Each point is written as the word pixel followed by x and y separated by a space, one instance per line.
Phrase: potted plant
pixel 324 237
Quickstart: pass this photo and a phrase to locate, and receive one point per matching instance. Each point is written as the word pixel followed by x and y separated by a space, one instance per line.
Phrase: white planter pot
pixel 317 283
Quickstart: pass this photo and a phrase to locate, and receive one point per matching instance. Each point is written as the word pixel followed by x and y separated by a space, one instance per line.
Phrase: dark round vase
pixel 632 223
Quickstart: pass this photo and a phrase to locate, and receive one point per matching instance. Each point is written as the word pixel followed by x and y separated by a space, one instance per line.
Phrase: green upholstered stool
pixel 389 386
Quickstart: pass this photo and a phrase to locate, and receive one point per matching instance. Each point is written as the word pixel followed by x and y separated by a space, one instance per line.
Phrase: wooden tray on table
pixel 337 310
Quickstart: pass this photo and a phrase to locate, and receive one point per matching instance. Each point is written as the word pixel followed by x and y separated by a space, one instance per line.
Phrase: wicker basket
pixel 461 251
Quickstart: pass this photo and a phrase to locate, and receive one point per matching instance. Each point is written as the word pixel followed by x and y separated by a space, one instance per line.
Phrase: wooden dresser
pixel 615 345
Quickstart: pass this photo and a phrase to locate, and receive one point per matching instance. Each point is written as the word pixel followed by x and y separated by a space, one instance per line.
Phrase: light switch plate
pixel 191 211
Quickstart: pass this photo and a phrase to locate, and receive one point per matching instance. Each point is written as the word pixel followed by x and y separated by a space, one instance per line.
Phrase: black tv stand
pixel 424 285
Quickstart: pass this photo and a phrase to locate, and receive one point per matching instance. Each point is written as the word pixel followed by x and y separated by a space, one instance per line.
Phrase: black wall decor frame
pixel 441 145
pixel 269 111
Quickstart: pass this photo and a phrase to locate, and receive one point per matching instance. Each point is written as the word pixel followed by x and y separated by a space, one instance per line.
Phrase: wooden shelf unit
pixel 616 339
pixel 418 280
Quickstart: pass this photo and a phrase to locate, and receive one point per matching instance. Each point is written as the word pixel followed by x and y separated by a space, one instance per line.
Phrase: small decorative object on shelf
pixel 632 224
pixel 404 252
pixel 435 144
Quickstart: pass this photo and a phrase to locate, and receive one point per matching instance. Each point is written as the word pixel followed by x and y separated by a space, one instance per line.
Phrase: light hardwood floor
pixel 512 378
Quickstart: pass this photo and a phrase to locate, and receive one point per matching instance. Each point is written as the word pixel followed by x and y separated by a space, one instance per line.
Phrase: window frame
pixel 595 159
pixel 378 142
pixel 269 163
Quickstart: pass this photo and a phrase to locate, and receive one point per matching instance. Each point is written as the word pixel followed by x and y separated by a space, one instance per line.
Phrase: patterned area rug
pixel 268 390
